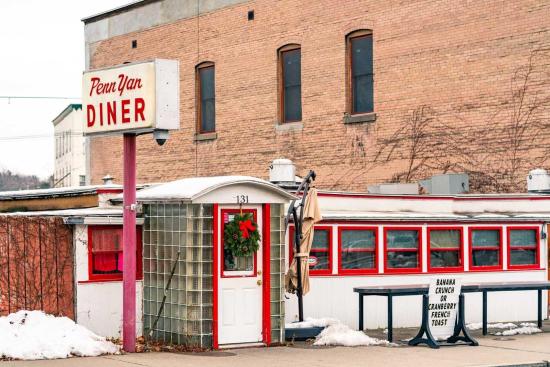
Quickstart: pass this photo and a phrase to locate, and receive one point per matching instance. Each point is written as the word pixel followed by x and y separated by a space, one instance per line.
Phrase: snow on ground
pixel 33 335
pixel 311 322
pixel 498 325
pixel 336 333
pixel 511 328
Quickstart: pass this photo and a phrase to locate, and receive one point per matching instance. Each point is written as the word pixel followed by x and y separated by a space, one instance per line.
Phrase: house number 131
pixel 242 199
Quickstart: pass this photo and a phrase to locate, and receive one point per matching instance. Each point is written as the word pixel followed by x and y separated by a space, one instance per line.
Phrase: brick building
pixel 441 86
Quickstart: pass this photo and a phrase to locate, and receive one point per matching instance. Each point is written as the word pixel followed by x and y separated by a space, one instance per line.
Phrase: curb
pixel 532 364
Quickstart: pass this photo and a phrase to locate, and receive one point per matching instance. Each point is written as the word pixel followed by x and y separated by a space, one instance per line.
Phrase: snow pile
pixel 498 325
pixel 311 322
pixel 524 328
pixel 340 334
pixel 33 335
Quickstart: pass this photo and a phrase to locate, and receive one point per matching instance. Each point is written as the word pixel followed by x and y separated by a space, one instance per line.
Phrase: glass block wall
pixel 171 229
pixel 277 269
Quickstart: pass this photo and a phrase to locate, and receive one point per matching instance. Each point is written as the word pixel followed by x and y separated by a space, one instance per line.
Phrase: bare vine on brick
pixel 514 138
pixel 36 265
pixel 418 142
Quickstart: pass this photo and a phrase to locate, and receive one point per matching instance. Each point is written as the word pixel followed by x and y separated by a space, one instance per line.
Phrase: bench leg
pixel 390 318
pixel 484 321
pixel 539 314
pixel 360 312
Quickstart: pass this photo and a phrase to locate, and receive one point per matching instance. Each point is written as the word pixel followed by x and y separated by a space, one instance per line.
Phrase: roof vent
pixel 282 170
pixel 538 180
pixel 107 180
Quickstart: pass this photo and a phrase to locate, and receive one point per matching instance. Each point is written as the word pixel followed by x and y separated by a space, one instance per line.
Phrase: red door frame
pixel 266 258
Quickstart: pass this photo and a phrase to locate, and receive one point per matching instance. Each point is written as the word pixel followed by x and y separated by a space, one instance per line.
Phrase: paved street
pixel 493 351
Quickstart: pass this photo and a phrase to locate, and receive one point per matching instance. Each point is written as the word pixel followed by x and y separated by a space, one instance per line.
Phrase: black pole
pixel 297 241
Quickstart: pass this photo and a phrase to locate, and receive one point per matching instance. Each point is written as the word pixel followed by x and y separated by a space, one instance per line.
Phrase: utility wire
pixel 36 97
pixel 37 136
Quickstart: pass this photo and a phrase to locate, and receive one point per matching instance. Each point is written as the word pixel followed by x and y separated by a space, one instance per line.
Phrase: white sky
pixel 41 54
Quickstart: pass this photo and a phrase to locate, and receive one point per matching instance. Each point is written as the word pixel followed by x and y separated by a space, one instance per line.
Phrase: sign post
pixel 131 99
pixel 129 245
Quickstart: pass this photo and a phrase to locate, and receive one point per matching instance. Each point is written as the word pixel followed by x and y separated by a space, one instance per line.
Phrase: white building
pixel 70 152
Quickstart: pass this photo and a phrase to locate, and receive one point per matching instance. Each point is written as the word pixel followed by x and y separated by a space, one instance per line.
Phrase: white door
pixel 240 288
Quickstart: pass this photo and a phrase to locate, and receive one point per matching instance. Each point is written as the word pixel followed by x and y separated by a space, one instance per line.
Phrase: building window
pixel 523 247
pixel 403 251
pixel 290 83
pixel 321 250
pixel 82 180
pixel 357 252
pixel 445 249
pixel 485 248
pixel 206 98
pixel 105 260
pixel 360 72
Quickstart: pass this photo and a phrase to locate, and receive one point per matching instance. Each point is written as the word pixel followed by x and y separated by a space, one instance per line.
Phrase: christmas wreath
pixel 241 235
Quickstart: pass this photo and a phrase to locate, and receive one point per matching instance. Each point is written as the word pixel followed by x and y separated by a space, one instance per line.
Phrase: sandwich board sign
pixel 443 305
pixel 138 97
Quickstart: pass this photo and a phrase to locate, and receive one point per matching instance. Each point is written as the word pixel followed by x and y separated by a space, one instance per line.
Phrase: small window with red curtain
pixel 105 260
pixel 523 247
pixel 320 254
pixel 403 250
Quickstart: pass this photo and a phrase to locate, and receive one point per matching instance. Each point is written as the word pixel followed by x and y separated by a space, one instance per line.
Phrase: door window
pixel 236 265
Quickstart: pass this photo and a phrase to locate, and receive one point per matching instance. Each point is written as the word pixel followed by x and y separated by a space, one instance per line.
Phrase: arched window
pixel 360 80
pixel 290 83
pixel 206 98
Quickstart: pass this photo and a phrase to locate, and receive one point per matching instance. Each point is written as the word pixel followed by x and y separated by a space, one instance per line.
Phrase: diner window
pixel 403 251
pixel 105 253
pixel 206 98
pixel 523 247
pixel 290 82
pixel 445 249
pixel 360 72
pixel 320 254
pixel 485 248
pixel 357 250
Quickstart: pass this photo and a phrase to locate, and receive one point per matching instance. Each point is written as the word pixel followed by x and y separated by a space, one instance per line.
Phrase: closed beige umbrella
pixel 312 215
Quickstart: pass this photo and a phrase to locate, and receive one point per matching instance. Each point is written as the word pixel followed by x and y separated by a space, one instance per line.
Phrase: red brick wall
pixel 444 92
pixel 36 265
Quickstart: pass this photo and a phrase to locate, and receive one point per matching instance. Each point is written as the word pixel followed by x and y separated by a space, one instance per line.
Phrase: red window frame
pixel 445 269
pixel 222 244
pixel 363 271
pixel 313 271
pixel 416 270
pixel 471 249
pixel 114 277
pixel 536 265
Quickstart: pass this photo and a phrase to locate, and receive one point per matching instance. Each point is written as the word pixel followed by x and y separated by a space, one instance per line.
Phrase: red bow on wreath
pixel 245 226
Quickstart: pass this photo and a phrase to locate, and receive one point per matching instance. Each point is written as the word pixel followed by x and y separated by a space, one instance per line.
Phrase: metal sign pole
pixel 129 245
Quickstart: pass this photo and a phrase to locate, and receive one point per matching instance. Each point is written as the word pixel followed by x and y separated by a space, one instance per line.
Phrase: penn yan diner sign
pixel 139 97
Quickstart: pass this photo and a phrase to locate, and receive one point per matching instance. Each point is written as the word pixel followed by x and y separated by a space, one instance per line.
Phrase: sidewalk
pixel 493 351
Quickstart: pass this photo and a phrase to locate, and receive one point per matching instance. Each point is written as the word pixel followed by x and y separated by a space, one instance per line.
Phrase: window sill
pixel 206 136
pixel 289 126
pixel 356 119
